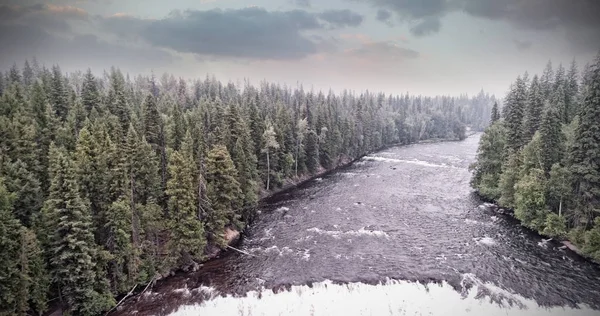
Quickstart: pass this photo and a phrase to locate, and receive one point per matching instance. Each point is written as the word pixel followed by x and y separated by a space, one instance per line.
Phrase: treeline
pixel 541 155
pixel 108 182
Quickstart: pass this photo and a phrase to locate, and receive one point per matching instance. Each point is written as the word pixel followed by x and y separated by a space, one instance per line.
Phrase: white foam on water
pixel 414 162
pixel 339 234
pixel 388 298
pixel 489 241
pixel 282 209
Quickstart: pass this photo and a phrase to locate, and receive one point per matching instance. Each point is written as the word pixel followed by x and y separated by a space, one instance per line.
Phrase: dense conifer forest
pixel 107 182
pixel 541 157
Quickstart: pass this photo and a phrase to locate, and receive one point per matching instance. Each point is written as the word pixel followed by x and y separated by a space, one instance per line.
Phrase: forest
pixel 541 154
pixel 108 182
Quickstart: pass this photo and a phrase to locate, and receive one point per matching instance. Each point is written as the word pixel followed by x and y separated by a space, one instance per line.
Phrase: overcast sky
pixel 420 46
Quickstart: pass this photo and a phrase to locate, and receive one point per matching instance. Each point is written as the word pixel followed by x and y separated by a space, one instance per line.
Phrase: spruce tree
pixel 508 179
pixel 515 108
pixel 488 166
pixel 72 249
pixel 58 94
pixel 586 149
pixel 10 274
pixel 28 74
pixel 533 110
pixel 269 144
pixel 223 193
pixel 547 81
pixel 90 96
pixel 571 92
pixel 495 113
pixel 186 227
pixel 551 139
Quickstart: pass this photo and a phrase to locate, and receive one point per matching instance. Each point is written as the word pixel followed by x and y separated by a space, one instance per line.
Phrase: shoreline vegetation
pixel 109 182
pixel 235 237
pixel 540 157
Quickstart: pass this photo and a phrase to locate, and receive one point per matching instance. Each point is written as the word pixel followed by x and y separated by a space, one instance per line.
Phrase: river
pixel 399 232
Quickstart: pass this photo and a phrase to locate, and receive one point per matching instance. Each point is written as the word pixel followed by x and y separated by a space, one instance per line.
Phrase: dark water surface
pixel 397 233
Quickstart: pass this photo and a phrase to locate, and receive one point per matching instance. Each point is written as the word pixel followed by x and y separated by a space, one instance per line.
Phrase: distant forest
pixel 541 154
pixel 109 182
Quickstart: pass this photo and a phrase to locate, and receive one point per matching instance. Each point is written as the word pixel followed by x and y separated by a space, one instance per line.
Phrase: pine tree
pixel 312 151
pixel 118 100
pixel 495 113
pixel 270 144
pixel 551 139
pixel 586 150
pixel 72 249
pixel 515 107
pixel 571 92
pixel 547 81
pixel 223 193
pixel 186 227
pixel 90 96
pixel 28 75
pixel 22 182
pixel 488 166
pixel 178 128
pixel 534 110
pixel 58 94
pixel 242 153
pixel 10 274
pixel 508 179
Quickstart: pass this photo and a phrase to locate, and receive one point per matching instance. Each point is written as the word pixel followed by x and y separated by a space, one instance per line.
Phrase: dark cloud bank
pixel 579 18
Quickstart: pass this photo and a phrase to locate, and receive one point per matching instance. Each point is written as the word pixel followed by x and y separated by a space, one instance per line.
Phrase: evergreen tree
pixel 551 139
pixel 186 227
pixel 312 151
pixel 11 303
pixel 571 93
pixel 269 143
pixel 58 94
pixel 223 193
pixel 177 130
pixel 508 179
pixel 72 248
pixel 90 96
pixel 488 165
pixel 515 107
pixel 586 148
pixel 534 109
pixel 530 203
pixel 495 113
pixel 28 75
pixel 547 81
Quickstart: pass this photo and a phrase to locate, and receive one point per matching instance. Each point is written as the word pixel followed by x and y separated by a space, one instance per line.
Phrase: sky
pixel 429 47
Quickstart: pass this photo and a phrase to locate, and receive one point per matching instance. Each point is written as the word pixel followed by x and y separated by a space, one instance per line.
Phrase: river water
pixel 399 232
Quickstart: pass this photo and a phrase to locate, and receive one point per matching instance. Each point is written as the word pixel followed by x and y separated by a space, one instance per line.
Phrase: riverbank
pixel 564 242
pixel 216 254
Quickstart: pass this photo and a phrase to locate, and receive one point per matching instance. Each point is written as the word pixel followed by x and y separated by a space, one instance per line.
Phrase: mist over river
pixel 399 232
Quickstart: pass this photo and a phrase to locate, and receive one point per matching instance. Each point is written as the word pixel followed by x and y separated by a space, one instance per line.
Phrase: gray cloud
pixel 253 33
pixel 383 15
pixel 45 31
pixel 426 26
pixel 248 33
pixel 574 16
pixel 46 16
pixel 522 45
pixel 301 3
pixel 384 51
pixel 341 18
